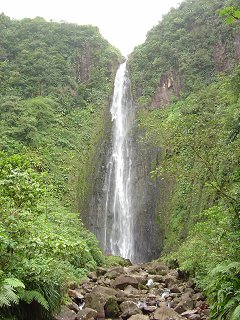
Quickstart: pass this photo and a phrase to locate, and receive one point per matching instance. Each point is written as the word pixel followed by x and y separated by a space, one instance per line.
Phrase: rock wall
pixel 147 231
pixel 170 86
pixel 171 83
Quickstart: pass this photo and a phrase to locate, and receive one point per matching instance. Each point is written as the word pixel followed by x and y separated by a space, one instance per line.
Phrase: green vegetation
pixel 55 81
pixel 199 137
pixel 200 141
pixel 189 46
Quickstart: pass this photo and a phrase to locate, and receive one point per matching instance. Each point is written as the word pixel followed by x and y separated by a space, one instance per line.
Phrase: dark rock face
pixel 147 233
pixel 152 297
pixel 170 86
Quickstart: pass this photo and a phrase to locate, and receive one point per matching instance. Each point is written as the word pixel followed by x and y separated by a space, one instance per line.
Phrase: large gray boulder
pixel 165 313
pixel 123 281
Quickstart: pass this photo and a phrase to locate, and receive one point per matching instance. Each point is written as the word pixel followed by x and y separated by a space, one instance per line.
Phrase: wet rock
pixel 189 313
pixel 170 281
pixel 111 308
pixel 72 285
pixel 199 297
pixel 132 293
pixel 175 290
pixel 75 294
pixel 86 314
pixel 123 281
pixel 187 301
pixel 115 272
pixel 157 278
pixel 180 308
pixel 131 269
pixel 73 306
pixel 166 313
pixel 96 302
pixel 195 317
pixel 131 290
pixel 138 317
pixel 101 271
pixel 93 276
pixel 149 309
pixel 129 308
pixel 65 314
pixel 104 291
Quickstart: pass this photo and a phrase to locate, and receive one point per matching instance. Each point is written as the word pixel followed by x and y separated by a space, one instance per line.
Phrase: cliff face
pixel 169 87
pixel 171 83
pixel 147 230
pixel 147 191
pixel 191 45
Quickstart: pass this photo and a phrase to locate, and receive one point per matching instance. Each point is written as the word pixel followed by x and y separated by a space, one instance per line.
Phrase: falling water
pixel 119 214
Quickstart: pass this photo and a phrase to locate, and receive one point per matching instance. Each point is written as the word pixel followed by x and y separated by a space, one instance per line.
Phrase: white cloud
pixel 123 23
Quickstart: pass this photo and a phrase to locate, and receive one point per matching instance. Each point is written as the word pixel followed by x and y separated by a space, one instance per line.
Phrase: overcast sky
pixel 124 23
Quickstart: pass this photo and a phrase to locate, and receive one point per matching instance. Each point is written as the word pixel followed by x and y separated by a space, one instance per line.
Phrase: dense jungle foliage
pixel 55 81
pixel 199 137
pixel 191 45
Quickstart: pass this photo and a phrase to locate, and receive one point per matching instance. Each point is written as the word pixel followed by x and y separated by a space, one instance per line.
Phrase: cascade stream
pixel 119 210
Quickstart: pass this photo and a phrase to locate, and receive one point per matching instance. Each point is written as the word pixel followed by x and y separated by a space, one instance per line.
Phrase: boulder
pixel 72 285
pixel 189 313
pixel 187 301
pixel 130 290
pixel 75 294
pixel 73 306
pixel 93 276
pixel 101 271
pixel 141 278
pixel 175 289
pixel 139 317
pixel 134 268
pixel 86 314
pixel 104 291
pixel 65 314
pixel 123 281
pixel 166 313
pixel 180 308
pixel 157 278
pixel 195 317
pixel 129 308
pixel 113 273
pixel 96 302
pixel 111 308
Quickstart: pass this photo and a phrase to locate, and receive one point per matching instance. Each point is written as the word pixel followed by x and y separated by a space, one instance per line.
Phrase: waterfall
pixel 119 211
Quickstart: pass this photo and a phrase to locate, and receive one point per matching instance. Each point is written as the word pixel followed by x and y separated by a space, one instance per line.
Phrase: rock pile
pixel 138 292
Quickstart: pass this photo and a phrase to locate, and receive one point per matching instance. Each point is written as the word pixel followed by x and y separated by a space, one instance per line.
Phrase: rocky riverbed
pixel 138 292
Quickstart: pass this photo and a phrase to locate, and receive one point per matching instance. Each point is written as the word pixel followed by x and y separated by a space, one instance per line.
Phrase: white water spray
pixel 119 213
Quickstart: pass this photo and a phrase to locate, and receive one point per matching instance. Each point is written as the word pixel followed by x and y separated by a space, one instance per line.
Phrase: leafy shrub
pixel 223 290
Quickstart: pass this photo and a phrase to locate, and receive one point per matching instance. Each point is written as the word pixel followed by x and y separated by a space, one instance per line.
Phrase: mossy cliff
pixel 186 78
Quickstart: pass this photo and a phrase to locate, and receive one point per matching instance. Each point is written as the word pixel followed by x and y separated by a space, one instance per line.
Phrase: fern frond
pixel 221 268
pixel 236 314
pixel 30 295
pixel 14 283
pixel 8 296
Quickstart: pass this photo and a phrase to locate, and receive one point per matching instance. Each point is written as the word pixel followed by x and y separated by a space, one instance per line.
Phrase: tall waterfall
pixel 119 211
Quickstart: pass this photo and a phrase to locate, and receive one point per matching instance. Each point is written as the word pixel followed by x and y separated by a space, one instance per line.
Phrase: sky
pixel 124 23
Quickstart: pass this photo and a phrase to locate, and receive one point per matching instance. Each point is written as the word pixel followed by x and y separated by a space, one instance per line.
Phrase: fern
pixel 8 295
pixel 14 283
pixel 29 295
pixel 236 314
pixel 224 291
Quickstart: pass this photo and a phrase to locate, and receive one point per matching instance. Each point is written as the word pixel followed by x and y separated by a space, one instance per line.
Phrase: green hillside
pixel 198 133
pixel 55 84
